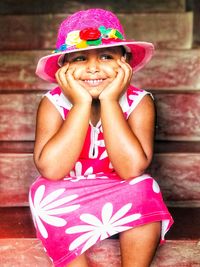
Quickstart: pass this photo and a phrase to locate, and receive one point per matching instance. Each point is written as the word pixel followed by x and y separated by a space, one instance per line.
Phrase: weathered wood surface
pixel 29 253
pixel 168 70
pixel 177 174
pixel 178 116
pixel 159 147
pixel 40 32
pixel 16 222
pixel 17 117
pixel 173 69
pixel 63 6
pixel 17 172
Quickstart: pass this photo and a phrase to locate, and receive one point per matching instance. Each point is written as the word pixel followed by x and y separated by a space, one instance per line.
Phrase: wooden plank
pixel 168 70
pixel 18 116
pixel 61 6
pixel 178 116
pixel 177 174
pixel 22 252
pixel 159 147
pixel 31 32
pixel 29 252
pixel 17 146
pixel 16 222
pixel 17 172
pixel 171 70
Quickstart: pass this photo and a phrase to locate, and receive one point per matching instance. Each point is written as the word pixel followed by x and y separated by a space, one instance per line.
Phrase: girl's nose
pixel 93 66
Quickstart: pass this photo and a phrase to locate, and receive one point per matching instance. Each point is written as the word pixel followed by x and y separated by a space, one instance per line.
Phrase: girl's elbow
pixel 134 170
pixel 49 173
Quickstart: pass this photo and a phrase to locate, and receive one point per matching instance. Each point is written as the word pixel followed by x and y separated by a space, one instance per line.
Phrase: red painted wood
pixel 178 116
pixel 17 172
pixel 29 252
pixel 61 6
pixel 16 147
pixel 17 116
pixel 16 222
pixel 23 252
pixel 159 147
pixel 31 33
pixel 169 69
pixel 177 173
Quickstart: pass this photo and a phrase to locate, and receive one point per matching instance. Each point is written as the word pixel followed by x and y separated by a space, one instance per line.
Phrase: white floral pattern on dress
pixel 100 229
pixel 78 171
pixel 45 208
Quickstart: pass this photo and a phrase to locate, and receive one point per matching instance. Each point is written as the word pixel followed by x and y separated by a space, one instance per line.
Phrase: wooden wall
pixel 28 32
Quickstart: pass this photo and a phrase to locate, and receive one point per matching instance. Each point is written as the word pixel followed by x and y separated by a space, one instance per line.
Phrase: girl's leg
pixel 138 245
pixel 80 261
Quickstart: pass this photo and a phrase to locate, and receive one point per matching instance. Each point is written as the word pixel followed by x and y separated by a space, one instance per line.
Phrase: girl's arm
pixel 59 143
pixel 129 144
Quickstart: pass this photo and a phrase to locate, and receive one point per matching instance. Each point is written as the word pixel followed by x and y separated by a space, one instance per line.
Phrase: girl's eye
pixel 106 56
pixel 78 58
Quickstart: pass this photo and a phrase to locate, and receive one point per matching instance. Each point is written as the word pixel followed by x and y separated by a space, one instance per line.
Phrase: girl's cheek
pixel 77 72
pixel 111 70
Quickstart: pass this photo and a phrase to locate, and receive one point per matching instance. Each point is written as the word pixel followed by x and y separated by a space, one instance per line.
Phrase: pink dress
pixel 93 203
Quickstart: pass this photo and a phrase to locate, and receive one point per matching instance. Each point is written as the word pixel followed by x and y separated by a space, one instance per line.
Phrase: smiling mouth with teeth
pixel 94 82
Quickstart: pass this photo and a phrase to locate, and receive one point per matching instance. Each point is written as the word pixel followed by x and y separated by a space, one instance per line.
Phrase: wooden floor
pixel 173 76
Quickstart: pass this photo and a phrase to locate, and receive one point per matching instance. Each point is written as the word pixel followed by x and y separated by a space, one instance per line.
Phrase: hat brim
pixel 141 51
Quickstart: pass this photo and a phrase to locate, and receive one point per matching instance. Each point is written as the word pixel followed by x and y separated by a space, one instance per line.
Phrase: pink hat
pixel 91 29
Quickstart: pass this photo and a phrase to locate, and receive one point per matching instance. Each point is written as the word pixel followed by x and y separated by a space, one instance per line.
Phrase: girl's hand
pixel 70 86
pixel 120 83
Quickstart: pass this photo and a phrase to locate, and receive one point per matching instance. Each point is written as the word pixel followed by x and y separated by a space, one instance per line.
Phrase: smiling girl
pixel 94 141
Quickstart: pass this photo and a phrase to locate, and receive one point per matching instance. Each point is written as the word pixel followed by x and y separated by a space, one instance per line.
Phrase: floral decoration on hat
pixel 89 37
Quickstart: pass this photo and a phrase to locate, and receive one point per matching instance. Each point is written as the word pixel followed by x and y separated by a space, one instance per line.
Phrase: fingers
pixel 128 72
pixel 61 75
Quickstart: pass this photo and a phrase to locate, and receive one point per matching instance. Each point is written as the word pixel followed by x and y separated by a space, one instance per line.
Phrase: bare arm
pixel 129 144
pixel 58 143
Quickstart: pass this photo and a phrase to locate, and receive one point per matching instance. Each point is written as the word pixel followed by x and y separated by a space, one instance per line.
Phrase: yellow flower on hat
pixel 111 34
pixel 82 44
pixel 73 38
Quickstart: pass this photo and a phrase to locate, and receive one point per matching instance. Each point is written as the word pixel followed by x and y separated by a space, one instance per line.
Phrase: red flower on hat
pixel 90 34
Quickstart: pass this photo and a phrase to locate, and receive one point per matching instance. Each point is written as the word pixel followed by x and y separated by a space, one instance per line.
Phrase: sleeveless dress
pixel 93 203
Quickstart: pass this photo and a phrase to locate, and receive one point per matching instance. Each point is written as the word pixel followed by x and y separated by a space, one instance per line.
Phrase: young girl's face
pixel 95 69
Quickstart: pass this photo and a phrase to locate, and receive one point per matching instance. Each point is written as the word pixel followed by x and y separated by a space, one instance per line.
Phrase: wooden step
pixel 16 222
pixel 160 147
pixel 18 113
pixel 63 6
pixel 177 174
pixel 40 32
pixel 168 70
pixel 19 247
pixel 29 253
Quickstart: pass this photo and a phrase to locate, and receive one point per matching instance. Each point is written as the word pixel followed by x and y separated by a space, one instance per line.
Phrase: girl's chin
pixel 95 93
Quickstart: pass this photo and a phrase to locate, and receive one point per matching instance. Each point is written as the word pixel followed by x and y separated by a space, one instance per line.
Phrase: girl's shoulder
pixel 58 99
pixel 131 99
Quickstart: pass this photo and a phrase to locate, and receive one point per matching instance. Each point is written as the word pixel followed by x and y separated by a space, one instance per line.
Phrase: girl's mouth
pixel 93 82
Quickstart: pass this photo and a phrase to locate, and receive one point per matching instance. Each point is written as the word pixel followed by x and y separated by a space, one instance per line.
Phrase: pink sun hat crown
pixel 92 29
